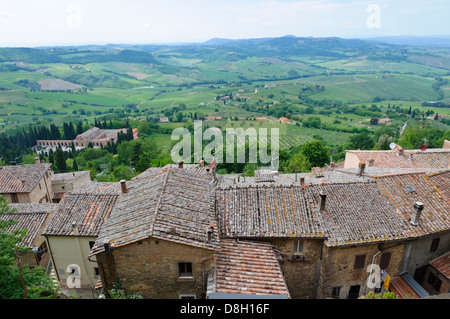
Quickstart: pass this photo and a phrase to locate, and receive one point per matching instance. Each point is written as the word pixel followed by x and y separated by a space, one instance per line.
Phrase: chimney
pixel 332 165
pixel 210 231
pixel 180 163
pixel 75 228
pixel 202 163
pixel 123 183
pixel 296 176
pixel 107 247
pixel 323 199
pixel 415 217
pixel 37 160
pixel 362 167
pixel 207 169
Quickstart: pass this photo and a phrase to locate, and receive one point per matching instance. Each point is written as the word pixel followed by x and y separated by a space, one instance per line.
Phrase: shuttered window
pixel 359 261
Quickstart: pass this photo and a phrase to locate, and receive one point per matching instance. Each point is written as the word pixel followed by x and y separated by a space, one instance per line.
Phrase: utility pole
pixel 21 276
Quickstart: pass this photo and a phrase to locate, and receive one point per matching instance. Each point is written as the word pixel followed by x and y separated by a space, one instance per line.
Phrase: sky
pixel 75 22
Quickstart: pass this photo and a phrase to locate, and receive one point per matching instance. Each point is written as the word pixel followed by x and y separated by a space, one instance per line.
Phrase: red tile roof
pixel 169 203
pixel 248 268
pixel 31 217
pixel 429 159
pixel 406 189
pixel 442 181
pixel 21 178
pixel 442 264
pixel 399 287
pixel 88 207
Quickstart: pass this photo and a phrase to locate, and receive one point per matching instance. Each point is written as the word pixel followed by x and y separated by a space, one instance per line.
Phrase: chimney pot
pixel 180 163
pixel 37 160
pixel 362 167
pixel 207 169
pixel 202 163
pixel 123 184
pixel 323 199
pixel 415 217
pixel 75 228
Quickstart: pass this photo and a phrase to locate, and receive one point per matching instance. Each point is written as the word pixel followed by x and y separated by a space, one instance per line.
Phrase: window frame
pixel 183 273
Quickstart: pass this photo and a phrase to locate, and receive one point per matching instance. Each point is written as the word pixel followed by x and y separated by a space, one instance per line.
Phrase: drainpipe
pixel 371 267
pixel 51 256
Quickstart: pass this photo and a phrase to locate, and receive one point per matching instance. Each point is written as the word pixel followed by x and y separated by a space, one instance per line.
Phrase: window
pixel 91 244
pixel 14 198
pixel 434 244
pixel 185 269
pixel 354 292
pixel 385 260
pixel 335 292
pixel 96 271
pixel 299 246
pixel 359 261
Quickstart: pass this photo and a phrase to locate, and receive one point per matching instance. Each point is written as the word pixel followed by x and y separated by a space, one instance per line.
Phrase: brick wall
pixel 150 267
pixel 342 262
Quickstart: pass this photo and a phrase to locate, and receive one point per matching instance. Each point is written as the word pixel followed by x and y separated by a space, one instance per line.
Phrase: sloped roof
pixel 21 178
pixel 31 217
pixel 406 189
pixel 267 211
pixel 442 181
pixel 248 268
pixel 89 206
pixel 429 159
pixel 169 203
pixel 358 213
pixel 442 264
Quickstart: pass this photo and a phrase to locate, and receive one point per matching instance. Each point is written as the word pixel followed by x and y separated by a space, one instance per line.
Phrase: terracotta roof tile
pixel 429 159
pixel 167 203
pixel 406 189
pixel 21 178
pixel 88 207
pixel 442 264
pixel 248 268
pixel 31 217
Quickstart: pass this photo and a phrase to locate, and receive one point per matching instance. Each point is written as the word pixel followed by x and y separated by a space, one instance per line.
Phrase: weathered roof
pixel 358 213
pixel 88 207
pixel 31 217
pixel 248 268
pixel 264 177
pixel 442 264
pixel 406 189
pixel 267 211
pixel 169 203
pixel 398 286
pixel 442 181
pixel 21 178
pixel 429 159
pixel 65 177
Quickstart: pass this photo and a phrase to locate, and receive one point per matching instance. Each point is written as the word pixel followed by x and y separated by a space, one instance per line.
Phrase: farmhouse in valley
pixel 95 136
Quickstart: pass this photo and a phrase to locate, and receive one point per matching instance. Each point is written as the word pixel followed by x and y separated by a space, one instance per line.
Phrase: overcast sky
pixel 66 22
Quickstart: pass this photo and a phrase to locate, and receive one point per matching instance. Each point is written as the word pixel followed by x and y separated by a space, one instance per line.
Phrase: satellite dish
pixel 392 146
pixel 423 148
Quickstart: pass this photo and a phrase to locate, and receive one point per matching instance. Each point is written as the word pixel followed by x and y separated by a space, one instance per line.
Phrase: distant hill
pixel 422 41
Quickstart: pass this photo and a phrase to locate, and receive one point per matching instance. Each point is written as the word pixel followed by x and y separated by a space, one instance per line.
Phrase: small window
pixel 185 269
pixel 96 271
pixel 91 244
pixel 385 260
pixel 434 244
pixel 359 261
pixel 14 198
pixel 335 292
pixel 298 246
